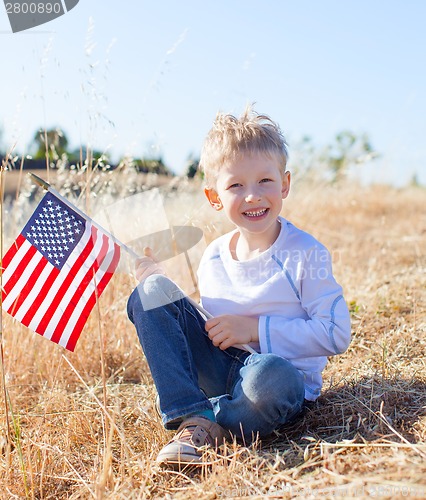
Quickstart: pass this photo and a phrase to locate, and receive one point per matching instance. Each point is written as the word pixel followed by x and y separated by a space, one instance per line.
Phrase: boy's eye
pixel 236 184
pixel 266 180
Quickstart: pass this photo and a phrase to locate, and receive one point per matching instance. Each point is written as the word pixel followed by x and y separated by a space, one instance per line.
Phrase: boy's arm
pixel 325 332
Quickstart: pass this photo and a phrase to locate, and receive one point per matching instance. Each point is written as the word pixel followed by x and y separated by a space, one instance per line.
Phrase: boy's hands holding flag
pixel 147 265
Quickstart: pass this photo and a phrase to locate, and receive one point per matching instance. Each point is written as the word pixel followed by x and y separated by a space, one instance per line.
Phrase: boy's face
pixel 250 190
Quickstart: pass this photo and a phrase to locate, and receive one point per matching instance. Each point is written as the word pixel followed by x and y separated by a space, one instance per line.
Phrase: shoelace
pixel 195 435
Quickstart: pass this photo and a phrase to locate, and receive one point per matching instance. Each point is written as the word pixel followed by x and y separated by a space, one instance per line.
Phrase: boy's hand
pixel 145 266
pixel 229 330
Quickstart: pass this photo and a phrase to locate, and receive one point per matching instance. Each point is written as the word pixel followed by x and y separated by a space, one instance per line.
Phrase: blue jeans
pixel 249 394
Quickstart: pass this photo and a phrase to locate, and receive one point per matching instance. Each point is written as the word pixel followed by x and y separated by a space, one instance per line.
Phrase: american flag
pixel 55 270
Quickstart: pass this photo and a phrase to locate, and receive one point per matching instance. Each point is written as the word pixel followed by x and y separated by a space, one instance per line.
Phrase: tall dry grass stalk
pixel 87 427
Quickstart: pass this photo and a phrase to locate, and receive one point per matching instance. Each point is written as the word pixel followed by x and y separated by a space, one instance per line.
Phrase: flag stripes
pixel 54 296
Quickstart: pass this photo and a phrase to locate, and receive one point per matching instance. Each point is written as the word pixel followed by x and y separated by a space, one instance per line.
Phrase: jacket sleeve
pixel 325 329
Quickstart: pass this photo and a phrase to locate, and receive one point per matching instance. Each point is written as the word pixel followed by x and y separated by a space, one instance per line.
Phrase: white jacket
pixel 290 287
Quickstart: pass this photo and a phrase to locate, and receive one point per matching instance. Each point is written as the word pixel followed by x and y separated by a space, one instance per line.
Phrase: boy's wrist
pixel 254 333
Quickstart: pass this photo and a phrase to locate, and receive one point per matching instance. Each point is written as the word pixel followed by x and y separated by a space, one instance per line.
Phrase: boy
pixel 267 284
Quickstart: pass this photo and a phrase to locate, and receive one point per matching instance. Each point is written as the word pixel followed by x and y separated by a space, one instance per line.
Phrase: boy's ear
pixel 213 198
pixel 285 188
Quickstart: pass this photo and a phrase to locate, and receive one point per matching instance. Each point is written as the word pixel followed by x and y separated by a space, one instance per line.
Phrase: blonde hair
pixel 231 136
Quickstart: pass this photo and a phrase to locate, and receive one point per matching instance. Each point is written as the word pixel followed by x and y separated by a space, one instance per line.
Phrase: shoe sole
pixel 179 465
pixel 184 459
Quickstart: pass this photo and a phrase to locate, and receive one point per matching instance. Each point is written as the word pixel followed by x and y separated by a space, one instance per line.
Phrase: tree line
pixel 333 161
pixel 52 147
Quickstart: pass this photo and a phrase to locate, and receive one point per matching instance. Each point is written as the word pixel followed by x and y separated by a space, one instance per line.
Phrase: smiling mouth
pixel 256 213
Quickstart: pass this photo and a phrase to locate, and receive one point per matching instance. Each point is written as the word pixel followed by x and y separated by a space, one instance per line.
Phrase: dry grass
pixel 77 431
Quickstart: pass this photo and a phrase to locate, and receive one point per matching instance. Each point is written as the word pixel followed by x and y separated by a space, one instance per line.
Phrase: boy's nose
pixel 253 196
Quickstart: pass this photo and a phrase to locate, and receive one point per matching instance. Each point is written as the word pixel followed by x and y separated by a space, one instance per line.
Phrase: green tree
pixel 347 149
pixel 50 143
pixel 152 166
pixel 192 164
pixel 83 154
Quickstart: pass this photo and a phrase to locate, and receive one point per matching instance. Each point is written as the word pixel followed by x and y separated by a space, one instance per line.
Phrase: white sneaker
pixel 194 435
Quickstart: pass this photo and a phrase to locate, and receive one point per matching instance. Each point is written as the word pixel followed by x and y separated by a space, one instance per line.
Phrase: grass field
pixel 83 424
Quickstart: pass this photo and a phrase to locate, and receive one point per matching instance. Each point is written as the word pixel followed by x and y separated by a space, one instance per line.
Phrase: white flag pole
pixel 46 186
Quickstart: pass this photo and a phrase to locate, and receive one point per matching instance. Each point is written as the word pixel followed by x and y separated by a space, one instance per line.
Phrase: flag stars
pixel 54 230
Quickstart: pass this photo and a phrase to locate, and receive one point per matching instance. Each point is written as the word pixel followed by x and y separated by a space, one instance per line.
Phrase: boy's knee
pixel 155 291
pixel 284 373
pixel 277 377
pixel 153 284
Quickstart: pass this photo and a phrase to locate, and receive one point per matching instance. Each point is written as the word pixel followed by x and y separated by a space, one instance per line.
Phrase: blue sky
pixel 147 77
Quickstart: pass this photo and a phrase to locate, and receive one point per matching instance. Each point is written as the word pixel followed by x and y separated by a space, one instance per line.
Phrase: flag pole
pixel 3 372
pixel 47 187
